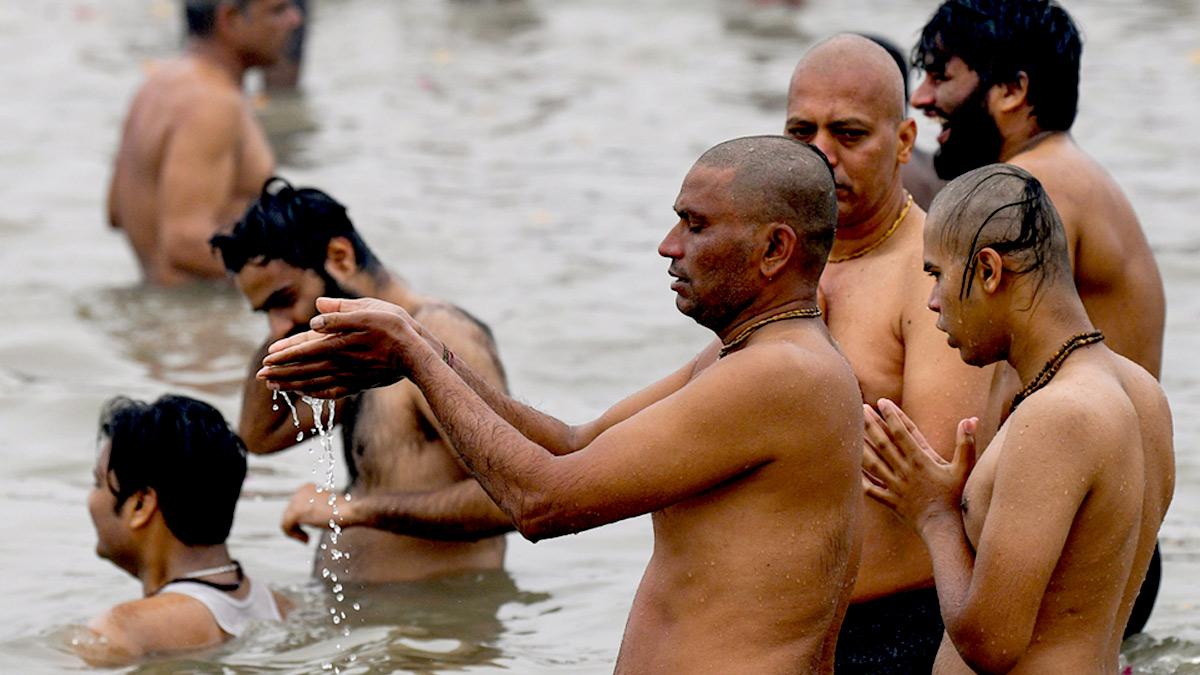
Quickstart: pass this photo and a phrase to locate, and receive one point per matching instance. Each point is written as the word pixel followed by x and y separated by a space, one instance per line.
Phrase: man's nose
pixel 826 144
pixel 670 247
pixel 922 97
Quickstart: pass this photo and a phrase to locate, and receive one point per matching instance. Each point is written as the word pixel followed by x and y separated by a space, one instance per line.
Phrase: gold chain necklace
pixel 1052 366
pixel 879 242
pixel 806 313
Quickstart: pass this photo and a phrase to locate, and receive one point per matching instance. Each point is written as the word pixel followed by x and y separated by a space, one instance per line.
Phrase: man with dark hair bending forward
pixel 167 480
pixel 1040 549
pixel 751 475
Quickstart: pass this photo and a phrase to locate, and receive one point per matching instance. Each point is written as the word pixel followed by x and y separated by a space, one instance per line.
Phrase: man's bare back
pixel 1099 495
pixel 192 156
pixel 1115 270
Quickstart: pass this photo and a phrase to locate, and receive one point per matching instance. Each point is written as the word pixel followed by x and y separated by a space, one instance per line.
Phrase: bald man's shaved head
pixel 1002 207
pixel 780 180
pixel 861 66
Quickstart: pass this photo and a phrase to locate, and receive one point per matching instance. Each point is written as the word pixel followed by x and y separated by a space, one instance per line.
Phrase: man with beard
pixel 847 98
pixel 1003 77
pixel 1040 547
pixel 192 154
pixel 741 456
pixel 290 248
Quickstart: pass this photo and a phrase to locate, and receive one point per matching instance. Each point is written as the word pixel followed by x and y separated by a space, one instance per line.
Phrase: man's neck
pixel 765 310
pixel 174 560
pixel 391 288
pixel 1043 331
pixel 219 58
pixel 1021 136
pixel 852 238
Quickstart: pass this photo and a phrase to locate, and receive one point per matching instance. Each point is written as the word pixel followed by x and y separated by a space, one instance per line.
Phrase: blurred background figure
pixel 192 155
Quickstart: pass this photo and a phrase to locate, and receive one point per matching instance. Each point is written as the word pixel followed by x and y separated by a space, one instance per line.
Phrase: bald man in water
pixel 741 455
pixel 192 155
pixel 847 98
pixel 1039 549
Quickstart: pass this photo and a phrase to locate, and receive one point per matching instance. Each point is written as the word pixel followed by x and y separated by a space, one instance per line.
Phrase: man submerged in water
pixel 1003 77
pixel 415 512
pixel 192 154
pixel 167 480
pixel 746 457
pixel 847 98
pixel 1038 550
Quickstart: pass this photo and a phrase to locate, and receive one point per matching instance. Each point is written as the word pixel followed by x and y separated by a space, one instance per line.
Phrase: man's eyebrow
pixel 691 216
pixel 793 120
pixel 849 122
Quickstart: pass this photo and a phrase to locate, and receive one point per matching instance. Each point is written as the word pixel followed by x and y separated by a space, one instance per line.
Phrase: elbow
pixel 988 651
pixel 538 518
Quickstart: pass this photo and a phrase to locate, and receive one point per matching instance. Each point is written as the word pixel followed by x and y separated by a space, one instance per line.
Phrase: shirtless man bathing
pixel 1040 545
pixel 192 155
pixel 744 456
pixel 847 98
pixel 1003 77
pixel 166 484
pixel 292 247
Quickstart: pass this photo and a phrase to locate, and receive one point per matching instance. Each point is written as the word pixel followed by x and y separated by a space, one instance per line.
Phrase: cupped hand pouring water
pixel 353 345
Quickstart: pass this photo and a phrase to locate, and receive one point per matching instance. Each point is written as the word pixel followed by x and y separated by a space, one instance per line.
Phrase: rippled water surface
pixel 520 158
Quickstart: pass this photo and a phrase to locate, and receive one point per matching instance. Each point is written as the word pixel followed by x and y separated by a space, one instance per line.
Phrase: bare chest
pixel 863 311
pixel 977 494
pixel 392 446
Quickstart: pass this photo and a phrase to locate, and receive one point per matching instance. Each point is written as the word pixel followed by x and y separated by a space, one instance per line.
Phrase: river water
pixel 520 158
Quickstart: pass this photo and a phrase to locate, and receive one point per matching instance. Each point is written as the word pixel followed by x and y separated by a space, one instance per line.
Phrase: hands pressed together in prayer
pixel 901 470
pixel 353 345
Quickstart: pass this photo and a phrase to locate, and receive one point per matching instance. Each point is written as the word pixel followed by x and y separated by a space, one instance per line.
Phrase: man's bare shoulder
pixel 161 623
pixel 1078 184
pixel 808 374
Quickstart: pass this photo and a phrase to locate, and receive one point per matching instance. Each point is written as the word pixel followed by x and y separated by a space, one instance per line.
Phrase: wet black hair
pixel 999 39
pixel 291 225
pixel 200 16
pixel 185 451
pixel 1018 221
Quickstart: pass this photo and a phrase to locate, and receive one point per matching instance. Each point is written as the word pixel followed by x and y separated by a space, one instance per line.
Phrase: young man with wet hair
pixel 1003 77
pixel 167 479
pixel 414 512
pixel 746 457
pixel 1039 543
pixel 192 154
pixel 847 98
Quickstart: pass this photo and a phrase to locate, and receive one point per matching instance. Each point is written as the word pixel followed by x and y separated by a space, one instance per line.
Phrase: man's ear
pixel 340 261
pixel 907 134
pixel 781 246
pixel 227 17
pixel 1006 97
pixel 140 507
pixel 989 269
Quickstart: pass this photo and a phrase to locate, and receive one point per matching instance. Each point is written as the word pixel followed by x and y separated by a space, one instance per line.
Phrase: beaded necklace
pixel 805 313
pixel 1052 366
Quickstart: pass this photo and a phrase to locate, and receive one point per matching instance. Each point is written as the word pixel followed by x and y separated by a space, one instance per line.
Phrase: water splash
pixel 323 428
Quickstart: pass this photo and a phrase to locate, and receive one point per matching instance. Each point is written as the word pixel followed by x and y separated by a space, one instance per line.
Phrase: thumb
pixel 964 445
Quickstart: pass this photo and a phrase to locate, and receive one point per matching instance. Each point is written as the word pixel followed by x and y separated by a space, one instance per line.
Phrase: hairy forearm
pixel 460 512
pixel 548 432
pixel 515 471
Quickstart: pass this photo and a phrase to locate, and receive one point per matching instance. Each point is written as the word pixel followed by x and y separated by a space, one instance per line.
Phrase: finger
pixel 287 373
pixel 291 527
pixel 879 438
pixel 964 445
pixel 879 470
pixel 901 436
pixel 359 320
pixel 326 305
pixel 881 495
pixel 909 424
pixel 291 341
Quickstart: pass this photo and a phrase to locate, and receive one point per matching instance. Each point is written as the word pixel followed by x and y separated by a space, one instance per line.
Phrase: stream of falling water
pixel 323 428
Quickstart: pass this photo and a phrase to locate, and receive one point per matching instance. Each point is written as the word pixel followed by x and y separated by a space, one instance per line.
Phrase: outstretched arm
pixel 667 451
